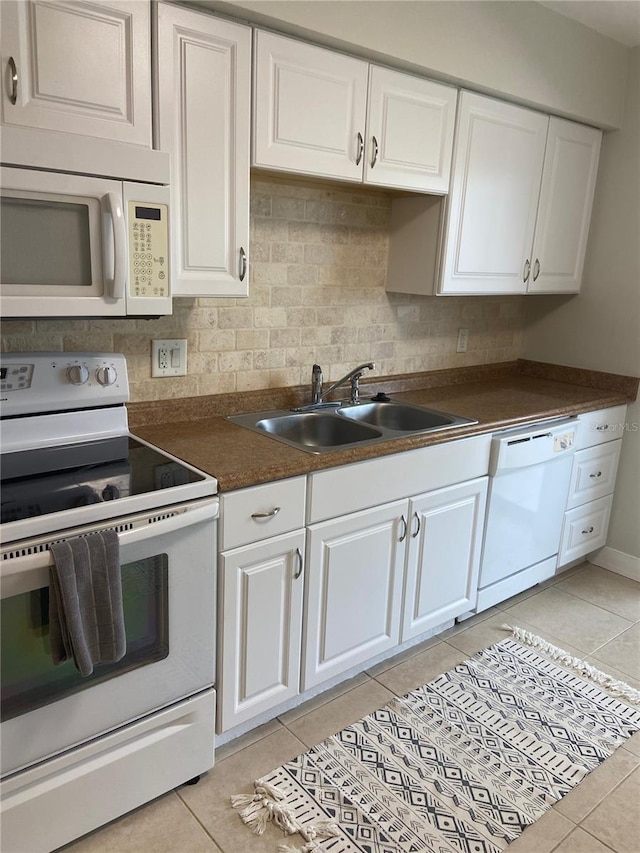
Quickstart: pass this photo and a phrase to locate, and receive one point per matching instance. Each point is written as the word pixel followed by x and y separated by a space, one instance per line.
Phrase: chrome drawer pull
pixel 404 529
pixel 417 530
pixel 374 155
pixel 596 475
pixel 526 271
pixel 13 72
pixel 297 574
pixel 360 148
pixel 243 263
pixel 588 530
pixel 536 270
pixel 602 427
pixel 269 514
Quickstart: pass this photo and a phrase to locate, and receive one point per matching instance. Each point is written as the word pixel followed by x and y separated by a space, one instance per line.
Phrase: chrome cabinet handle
pixel 418 525
pixel 536 269
pixel 596 475
pixel 526 271
pixel 602 427
pixel 13 96
pixel 404 529
pixel 269 514
pixel 588 530
pixel 297 574
pixel 243 263
pixel 360 149
pixel 374 155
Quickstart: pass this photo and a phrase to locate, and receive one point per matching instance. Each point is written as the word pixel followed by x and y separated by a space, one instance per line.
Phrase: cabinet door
pixel 309 108
pixel 204 86
pixel 81 67
pixel 354 590
pixel 444 555
pixel 564 213
pixel 409 131
pixel 260 634
pixel 497 168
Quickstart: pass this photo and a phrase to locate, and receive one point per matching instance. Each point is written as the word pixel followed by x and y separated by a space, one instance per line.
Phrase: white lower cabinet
pixel 354 590
pixel 593 479
pixel 443 559
pixel 261 598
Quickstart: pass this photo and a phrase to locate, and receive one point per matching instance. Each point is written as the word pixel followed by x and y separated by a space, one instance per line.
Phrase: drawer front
pixel 585 530
pixel 260 512
pixel 594 473
pixel 597 427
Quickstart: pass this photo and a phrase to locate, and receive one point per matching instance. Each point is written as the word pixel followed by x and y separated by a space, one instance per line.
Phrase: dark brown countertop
pixel 506 395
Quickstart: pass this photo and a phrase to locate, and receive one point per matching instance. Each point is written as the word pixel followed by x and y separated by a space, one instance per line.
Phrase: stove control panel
pixel 38 382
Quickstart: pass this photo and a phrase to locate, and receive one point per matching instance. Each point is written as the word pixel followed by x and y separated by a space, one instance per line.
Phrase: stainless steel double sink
pixel 322 430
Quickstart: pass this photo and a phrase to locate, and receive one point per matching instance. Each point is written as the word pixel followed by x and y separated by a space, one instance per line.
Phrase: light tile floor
pixel 588 611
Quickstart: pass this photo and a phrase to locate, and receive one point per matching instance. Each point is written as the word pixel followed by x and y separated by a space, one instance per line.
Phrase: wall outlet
pixel 169 358
pixel 463 337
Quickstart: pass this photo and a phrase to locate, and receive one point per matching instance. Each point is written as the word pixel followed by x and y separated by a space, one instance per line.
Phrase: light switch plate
pixel 169 357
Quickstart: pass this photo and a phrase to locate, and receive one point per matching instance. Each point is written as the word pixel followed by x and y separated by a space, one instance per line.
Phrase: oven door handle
pixel 23 574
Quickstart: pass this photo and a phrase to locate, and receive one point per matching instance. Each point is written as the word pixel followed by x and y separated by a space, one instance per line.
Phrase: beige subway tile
pixel 204 318
pixel 216 340
pixel 267 317
pixel 318 254
pixel 235 318
pixel 304 232
pixel 317 335
pixel 252 380
pixel 302 274
pixel 288 296
pixel 234 361
pixel 260 203
pixel 252 339
pixel 269 273
pixel 269 358
pixel 216 383
pixel 288 208
pixel 285 377
pixel 334 233
pixel 287 337
pixel 301 317
pixel 88 341
pixel 287 253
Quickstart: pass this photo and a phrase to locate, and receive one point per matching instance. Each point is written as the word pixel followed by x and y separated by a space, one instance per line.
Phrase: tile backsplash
pixel 318 263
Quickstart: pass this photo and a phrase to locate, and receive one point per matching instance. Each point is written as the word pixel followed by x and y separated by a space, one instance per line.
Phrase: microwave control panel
pixel 148 250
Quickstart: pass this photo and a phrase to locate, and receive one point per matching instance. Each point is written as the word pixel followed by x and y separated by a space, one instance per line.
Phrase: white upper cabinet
pixel 78 67
pixel 308 109
pixel 326 114
pixel 409 131
pixel 520 204
pixel 497 169
pixel 564 212
pixel 204 102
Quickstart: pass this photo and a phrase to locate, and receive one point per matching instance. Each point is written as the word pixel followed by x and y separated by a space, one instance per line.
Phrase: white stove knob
pixel 106 375
pixel 77 374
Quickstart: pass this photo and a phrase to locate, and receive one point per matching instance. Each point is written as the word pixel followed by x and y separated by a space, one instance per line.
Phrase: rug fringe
pixel 617 688
pixel 266 805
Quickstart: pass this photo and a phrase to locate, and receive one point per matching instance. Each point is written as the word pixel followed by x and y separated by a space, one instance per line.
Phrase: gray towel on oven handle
pixel 86 618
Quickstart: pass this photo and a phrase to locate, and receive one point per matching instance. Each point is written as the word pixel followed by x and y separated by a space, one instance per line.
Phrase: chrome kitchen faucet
pixel 353 376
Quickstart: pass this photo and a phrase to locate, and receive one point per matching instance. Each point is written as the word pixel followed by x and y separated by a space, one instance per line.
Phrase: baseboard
pixel 617 561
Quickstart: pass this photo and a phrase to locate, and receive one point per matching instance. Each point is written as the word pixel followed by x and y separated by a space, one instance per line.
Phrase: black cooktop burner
pixel 52 479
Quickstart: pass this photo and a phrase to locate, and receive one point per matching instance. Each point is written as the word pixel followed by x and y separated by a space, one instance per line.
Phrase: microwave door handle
pixel 112 205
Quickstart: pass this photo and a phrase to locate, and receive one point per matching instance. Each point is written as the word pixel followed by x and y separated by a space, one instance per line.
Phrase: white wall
pixel 600 328
pixel 517 49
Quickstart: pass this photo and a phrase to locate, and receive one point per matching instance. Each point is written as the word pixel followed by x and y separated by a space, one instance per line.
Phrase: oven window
pixel 30 679
pixel 45 242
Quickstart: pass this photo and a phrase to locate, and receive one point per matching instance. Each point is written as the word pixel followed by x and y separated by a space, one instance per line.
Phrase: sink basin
pixel 399 417
pixel 316 430
pixel 321 431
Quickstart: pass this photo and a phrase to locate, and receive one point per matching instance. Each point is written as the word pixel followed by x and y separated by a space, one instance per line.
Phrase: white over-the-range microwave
pixel 76 246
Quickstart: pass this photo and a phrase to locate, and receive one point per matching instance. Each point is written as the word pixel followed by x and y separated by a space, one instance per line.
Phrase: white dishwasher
pixel 530 470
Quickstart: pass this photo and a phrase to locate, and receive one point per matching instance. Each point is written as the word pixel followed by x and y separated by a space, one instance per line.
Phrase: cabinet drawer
pixel 598 427
pixel 260 512
pixel 594 473
pixel 585 530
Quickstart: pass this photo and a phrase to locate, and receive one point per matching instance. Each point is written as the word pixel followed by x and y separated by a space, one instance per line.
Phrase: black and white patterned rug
pixel 461 765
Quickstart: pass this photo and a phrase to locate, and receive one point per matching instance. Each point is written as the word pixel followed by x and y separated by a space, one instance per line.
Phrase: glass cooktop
pixel 53 479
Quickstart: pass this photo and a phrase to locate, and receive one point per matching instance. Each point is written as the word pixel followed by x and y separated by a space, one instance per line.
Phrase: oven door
pixel 64 245
pixel 169 591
